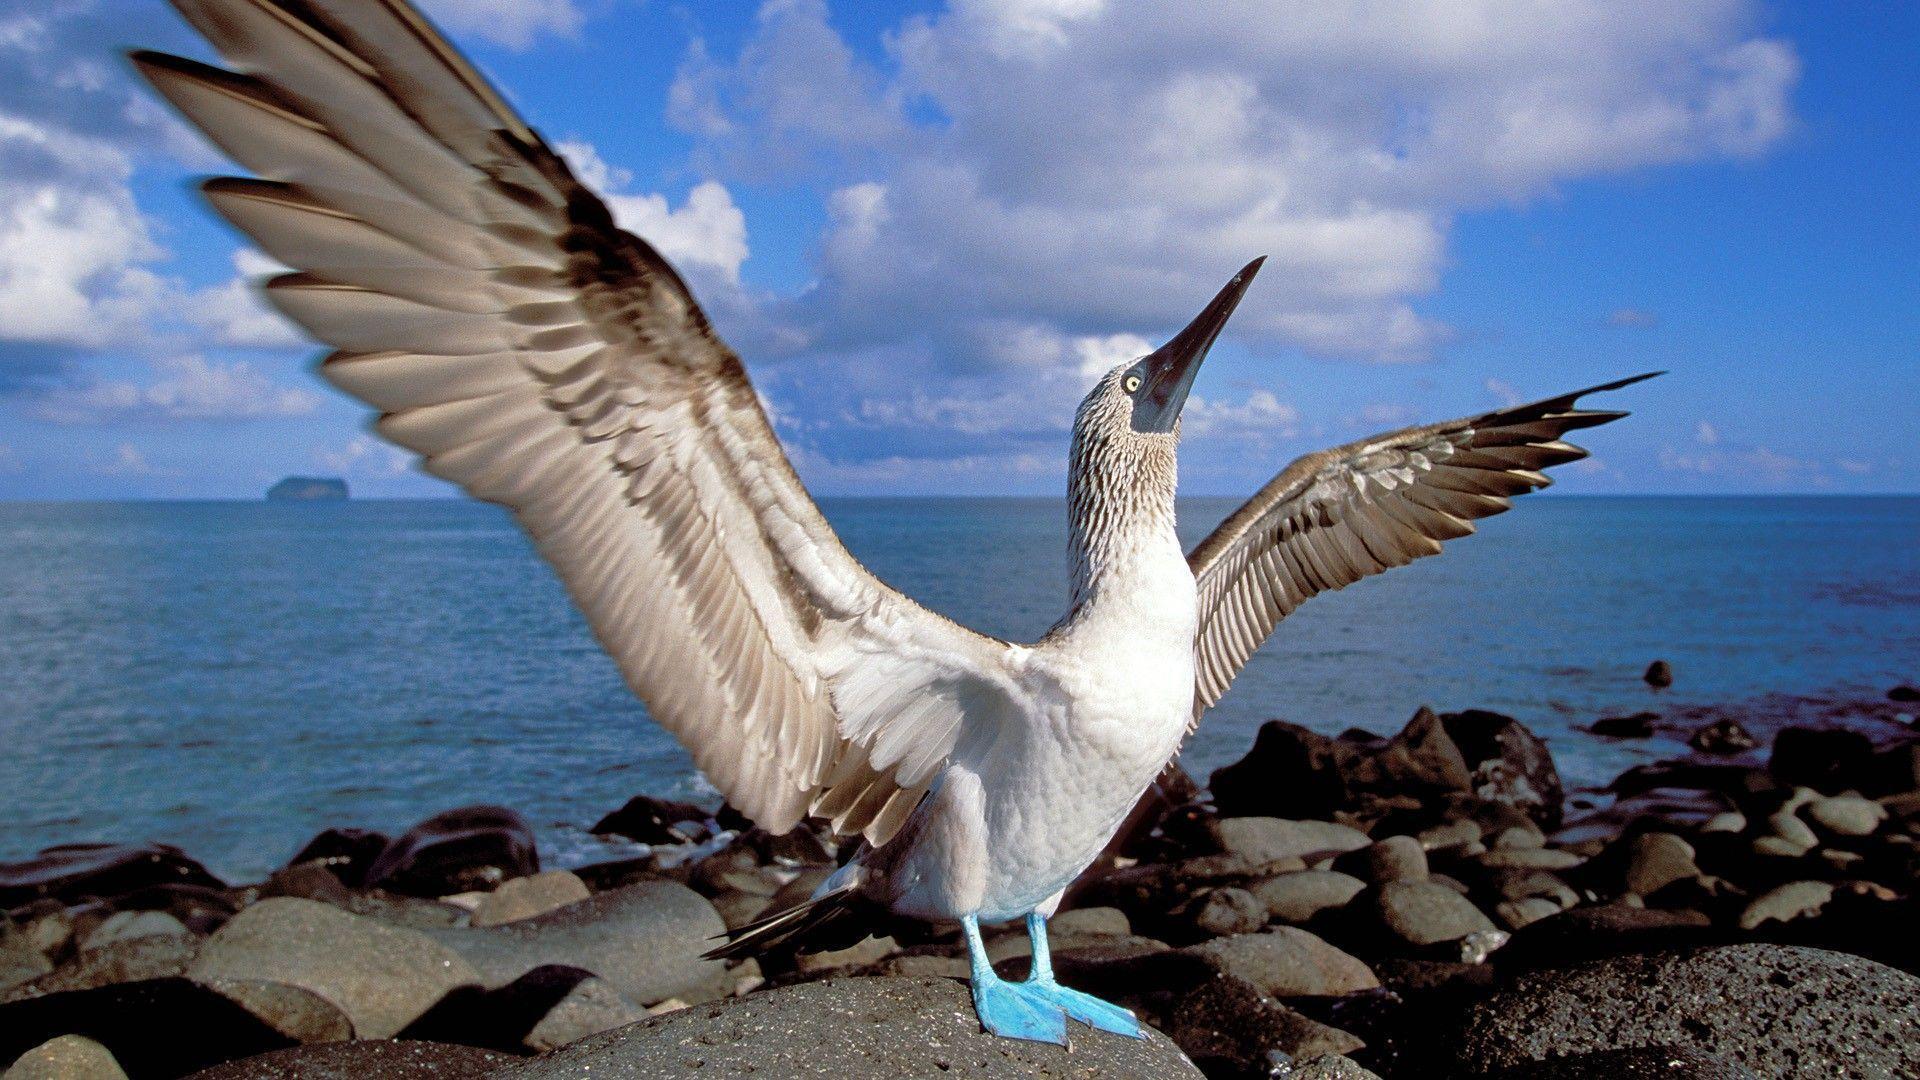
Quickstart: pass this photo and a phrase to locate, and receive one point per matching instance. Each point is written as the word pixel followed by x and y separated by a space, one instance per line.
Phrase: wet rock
pixel 1264 839
pixel 523 898
pixel 1287 962
pixel 655 821
pixel 1220 912
pixel 1300 896
pixel 1777 1010
pixel 1658 675
pixel 70 873
pixel 347 854
pixel 69 1057
pixel 1635 1063
pixel 152 957
pixel 1294 772
pixel 1636 726
pixel 645 940
pixel 1723 736
pixel 1657 860
pixel 1589 933
pixel 1510 765
pixel 546 1008
pixel 1846 815
pixel 1904 693
pixel 1825 760
pixel 384 977
pixel 1784 903
pixel 1425 912
pixel 141 1024
pixel 848 1029
pixel 472 848
pixel 370 1059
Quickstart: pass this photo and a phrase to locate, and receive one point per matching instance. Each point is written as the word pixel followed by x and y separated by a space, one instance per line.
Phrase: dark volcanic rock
pixel 382 976
pixel 543 1009
pixel 1825 760
pixel 1218 912
pixel 1723 736
pixel 1777 1010
pixel 1904 694
pixel 644 939
pixel 347 853
pixel 1637 726
pixel 1659 675
pixel 848 1029
pixel 1592 933
pixel 74 872
pixel 1230 1030
pixel 1636 1063
pixel 654 821
pixel 1511 765
pixel 159 1028
pixel 474 847
pixel 370 1059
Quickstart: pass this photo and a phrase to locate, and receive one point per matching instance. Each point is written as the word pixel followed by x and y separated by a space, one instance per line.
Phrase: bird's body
pixel 483 300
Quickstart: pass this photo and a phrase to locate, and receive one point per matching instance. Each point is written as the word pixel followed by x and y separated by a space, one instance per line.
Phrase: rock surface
pixel 365 1060
pixel 848 1029
pixel 1777 1010
pixel 383 977
pixel 69 1057
pixel 1288 962
pixel 523 898
pixel 474 847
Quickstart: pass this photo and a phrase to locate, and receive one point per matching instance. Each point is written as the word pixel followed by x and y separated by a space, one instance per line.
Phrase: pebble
pixel 1847 815
pixel 1267 839
pixel 1397 858
pixel 1784 903
pixel 1531 859
pixel 131 925
pixel 523 898
pixel 1656 860
pixel 1300 896
pixel 1426 912
pixel 1288 962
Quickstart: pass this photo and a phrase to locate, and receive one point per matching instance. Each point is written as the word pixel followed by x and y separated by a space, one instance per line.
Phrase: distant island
pixel 308 489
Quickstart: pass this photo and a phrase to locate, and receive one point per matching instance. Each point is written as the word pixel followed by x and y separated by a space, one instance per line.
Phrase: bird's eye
pixel 1132 383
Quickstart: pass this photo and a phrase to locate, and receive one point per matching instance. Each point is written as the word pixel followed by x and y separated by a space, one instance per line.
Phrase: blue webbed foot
pixel 1088 1009
pixel 1016 1011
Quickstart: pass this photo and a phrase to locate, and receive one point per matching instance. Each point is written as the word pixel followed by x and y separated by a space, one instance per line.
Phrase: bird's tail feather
pixel 785 925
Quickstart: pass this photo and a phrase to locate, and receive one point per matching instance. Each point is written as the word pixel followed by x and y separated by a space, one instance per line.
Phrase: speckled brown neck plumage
pixel 1120 488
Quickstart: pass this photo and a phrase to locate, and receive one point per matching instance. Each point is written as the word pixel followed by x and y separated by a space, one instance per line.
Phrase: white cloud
pixel 187 388
pixel 1504 393
pixel 1103 166
pixel 512 23
pixel 1262 417
pixel 10 462
pixel 1856 468
pixel 1747 464
pixel 707 232
pixel 127 462
pixel 1706 434
pixel 364 456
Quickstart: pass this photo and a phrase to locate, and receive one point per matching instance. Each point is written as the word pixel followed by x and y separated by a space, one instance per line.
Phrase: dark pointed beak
pixel 1167 373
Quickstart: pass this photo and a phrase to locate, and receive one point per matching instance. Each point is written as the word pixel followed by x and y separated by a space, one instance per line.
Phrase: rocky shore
pixel 1431 904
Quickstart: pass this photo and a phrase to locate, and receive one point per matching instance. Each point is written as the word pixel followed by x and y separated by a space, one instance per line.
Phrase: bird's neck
pixel 1121 521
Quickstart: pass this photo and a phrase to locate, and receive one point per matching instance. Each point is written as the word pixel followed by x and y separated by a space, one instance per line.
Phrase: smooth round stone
pixel 69 1057
pixel 523 898
pixel 1300 896
pixel 1397 858
pixel 1288 962
pixel 1531 859
pixel 130 925
pixel 1266 839
pixel 1784 903
pixel 1425 912
pixel 1656 860
pixel 1847 815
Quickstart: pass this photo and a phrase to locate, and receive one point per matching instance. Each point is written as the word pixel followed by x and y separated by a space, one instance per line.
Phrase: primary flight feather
pixel 532 352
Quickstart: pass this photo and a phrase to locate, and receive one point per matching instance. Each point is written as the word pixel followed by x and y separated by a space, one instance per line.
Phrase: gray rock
pixel 847 1029
pixel 1637 1063
pixel 1288 962
pixel 1777 1010
pixel 121 961
pixel 1223 911
pixel 590 1008
pixel 294 1011
pixel 737 908
pixel 1327 1067
pixel 1267 839
pixel 383 977
pixel 69 1057
pixel 1231 1029
pixel 1089 922
pixel 133 925
pixel 1542 858
pixel 1788 826
pixel 1397 858
pixel 1451 836
pixel 870 950
pixel 372 1059
pixel 1785 903
pixel 157 1027
pixel 1426 912
pixel 645 939
pixel 1299 896
pixel 1518 913
pixel 523 898
pixel 20 961
pixel 1847 815
pixel 1657 860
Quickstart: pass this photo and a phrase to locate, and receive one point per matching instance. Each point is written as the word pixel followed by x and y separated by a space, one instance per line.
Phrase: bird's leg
pixel 1010 1010
pixel 1085 1008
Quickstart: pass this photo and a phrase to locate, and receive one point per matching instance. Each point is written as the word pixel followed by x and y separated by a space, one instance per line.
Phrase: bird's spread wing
pixel 483 300
pixel 1332 518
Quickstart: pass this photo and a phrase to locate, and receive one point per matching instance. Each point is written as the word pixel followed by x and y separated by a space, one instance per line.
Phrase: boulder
pixel 158 1028
pixel 546 1008
pixel 1658 675
pixel 1656 860
pixel 1904 693
pixel 1634 1063
pixel 850 1029
pixel 523 898
pixel 347 854
pixel 1636 726
pixel 1846 815
pixel 133 925
pixel 1396 858
pixel 384 977
pixel 475 847
pixel 1421 913
pixel 1777 1010
pixel 1785 903
pixel 1603 930
pixel 1287 962
pixel 153 957
pixel 69 1057
pixel 1264 839
pixel 370 1059
pixel 644 939
pixel 1510 765
pixel 1294 772
pixel 1723 736
pixel 70 873
pixel 1300 896
pixel 1230 1029
pixel 1819 758
pixel 655 821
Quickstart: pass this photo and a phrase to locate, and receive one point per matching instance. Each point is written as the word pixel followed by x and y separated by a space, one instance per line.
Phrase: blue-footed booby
pixel 483 300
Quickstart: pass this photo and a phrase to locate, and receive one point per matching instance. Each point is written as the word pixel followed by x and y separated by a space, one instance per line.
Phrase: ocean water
pixel 234 677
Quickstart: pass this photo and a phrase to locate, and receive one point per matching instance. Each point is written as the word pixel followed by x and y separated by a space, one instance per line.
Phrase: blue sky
pixel 926 227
